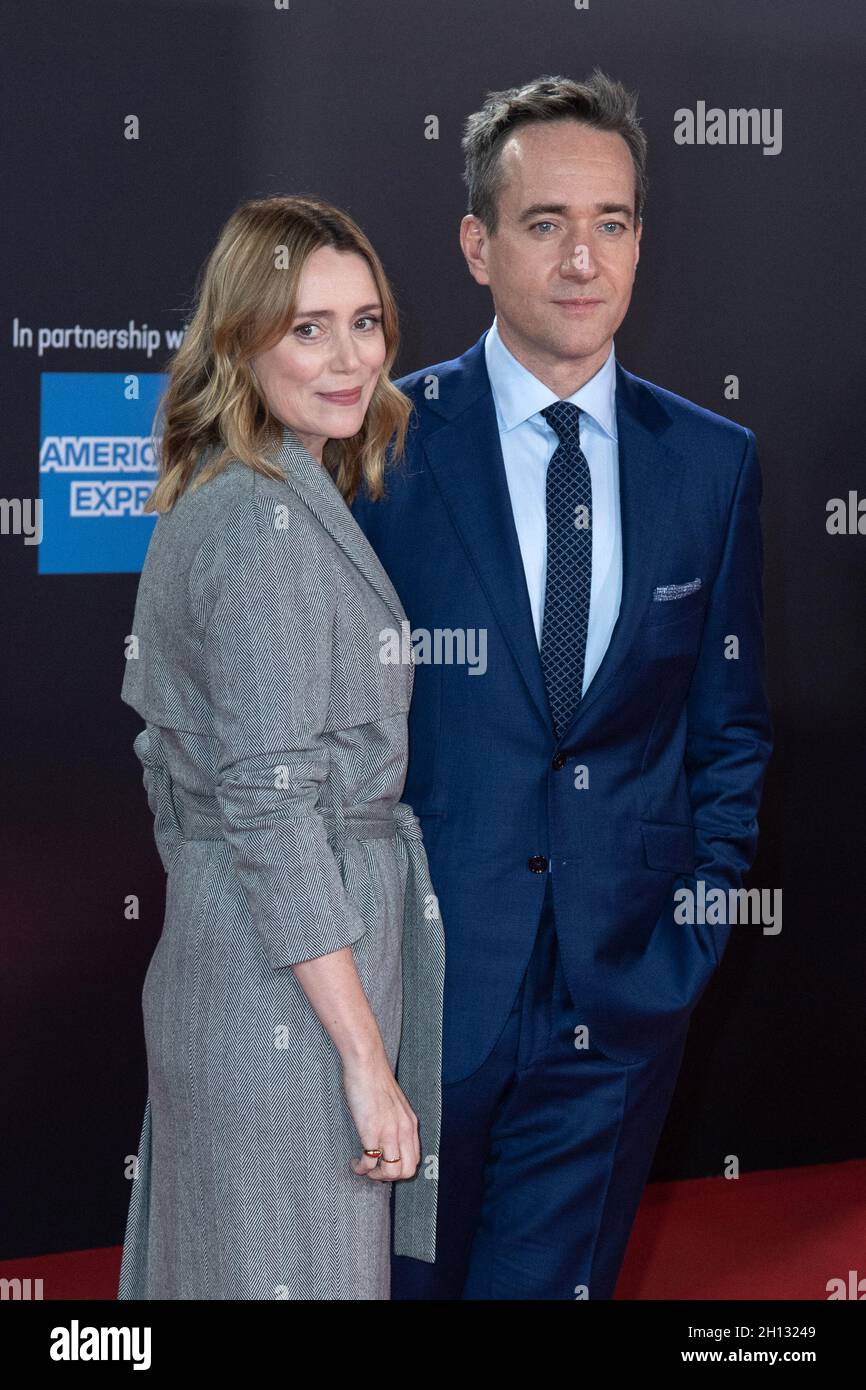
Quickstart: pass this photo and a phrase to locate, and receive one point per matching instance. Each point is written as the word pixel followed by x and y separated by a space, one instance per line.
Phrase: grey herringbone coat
pixel 274 756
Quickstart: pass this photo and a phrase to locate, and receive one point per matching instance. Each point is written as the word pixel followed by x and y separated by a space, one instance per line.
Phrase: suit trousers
pixel 544 1153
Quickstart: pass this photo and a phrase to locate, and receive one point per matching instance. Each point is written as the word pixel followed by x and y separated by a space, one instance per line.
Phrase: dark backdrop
pixel 751 264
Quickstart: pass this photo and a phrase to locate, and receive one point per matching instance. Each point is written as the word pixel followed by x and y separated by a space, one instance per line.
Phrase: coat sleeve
pixel 730 735
pixel 268 654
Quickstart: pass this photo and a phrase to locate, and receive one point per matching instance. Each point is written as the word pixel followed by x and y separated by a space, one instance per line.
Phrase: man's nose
pixel 578 261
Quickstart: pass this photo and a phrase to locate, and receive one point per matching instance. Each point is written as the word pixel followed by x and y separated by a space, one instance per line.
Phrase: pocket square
pixel 663 592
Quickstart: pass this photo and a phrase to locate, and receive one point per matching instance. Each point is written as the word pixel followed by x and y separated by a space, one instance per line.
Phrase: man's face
pixel 561 263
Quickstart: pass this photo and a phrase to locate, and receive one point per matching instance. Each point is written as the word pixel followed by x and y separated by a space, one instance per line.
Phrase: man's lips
pixel 578 305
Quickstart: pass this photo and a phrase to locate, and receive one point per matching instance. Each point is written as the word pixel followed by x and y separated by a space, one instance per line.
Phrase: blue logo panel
pixel 97 469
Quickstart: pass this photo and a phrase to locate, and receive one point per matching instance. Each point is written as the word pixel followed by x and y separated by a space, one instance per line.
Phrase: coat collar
pixel 314 485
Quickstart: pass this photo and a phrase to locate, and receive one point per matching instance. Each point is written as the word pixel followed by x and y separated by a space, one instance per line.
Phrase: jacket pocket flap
pixel 669 846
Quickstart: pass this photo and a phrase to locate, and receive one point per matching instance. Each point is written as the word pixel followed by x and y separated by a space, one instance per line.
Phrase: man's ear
pixel 473 243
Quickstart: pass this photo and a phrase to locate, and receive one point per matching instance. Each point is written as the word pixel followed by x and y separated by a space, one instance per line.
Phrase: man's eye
pixel 614 224
pixel 535 225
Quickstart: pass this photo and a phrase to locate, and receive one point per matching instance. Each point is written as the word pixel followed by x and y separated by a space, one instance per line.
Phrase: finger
pixel 362 1166
pixel 366 1163
pixel 405 1147
pixel 390 1144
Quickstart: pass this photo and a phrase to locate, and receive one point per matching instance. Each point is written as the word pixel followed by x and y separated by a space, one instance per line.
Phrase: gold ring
pixel 391 1160
pixel 374 1153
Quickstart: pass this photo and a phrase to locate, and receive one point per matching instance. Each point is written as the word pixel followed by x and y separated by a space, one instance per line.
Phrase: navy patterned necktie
pixel 569 565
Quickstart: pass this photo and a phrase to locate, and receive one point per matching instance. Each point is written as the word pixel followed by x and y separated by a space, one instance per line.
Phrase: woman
pixel 301 932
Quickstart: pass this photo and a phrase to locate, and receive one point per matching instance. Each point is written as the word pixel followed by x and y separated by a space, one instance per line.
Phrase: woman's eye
pixel 310 332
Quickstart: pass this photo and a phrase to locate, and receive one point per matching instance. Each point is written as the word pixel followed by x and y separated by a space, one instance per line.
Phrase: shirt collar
pixel 519 395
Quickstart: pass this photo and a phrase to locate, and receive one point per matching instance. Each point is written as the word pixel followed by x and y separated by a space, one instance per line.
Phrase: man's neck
pixel 563 376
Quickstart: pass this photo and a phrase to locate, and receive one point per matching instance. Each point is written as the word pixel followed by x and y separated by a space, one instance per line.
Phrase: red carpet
pixel 778 1234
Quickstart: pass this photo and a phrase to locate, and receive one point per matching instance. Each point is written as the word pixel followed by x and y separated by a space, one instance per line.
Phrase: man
pixel 603 537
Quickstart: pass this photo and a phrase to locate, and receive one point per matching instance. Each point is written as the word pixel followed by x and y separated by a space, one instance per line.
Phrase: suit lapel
pixel 318 491
pixel 650 477
pixel 465 458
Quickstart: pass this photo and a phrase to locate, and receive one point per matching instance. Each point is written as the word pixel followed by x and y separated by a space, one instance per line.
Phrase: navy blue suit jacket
pixel 674 737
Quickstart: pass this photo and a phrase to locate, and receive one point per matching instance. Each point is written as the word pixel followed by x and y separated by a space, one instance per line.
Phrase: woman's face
pixel 318 379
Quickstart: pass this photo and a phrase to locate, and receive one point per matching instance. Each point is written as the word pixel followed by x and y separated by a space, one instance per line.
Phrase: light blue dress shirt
pixel 528 443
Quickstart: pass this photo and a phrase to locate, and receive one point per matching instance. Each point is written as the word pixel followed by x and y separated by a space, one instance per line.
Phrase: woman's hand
pixel 383 1118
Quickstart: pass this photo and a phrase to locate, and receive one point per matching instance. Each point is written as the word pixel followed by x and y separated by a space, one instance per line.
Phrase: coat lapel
pixel 318 491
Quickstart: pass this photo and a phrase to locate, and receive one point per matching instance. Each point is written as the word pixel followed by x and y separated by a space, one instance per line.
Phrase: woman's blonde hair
pixel 246 298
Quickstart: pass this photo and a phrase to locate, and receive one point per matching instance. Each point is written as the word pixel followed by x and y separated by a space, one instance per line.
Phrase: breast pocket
pixel 663 612
pixel 674 637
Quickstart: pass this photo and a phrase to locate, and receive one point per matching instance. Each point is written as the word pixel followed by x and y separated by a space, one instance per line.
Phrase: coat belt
pixel 198 818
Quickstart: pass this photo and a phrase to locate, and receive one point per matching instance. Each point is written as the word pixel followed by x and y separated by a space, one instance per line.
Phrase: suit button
pixel 538 864
pixel 559 760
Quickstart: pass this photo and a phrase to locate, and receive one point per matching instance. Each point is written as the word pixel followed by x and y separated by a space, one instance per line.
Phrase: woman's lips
pixel 341 397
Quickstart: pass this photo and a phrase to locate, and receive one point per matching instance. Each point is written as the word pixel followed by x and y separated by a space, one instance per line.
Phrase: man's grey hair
pixel 599 102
